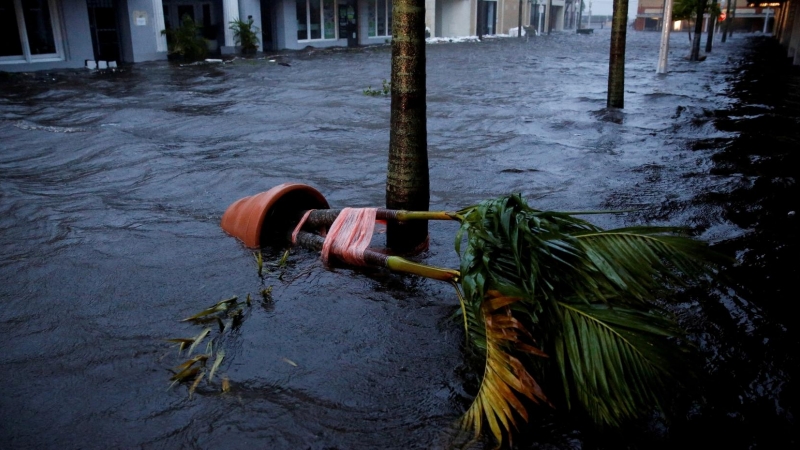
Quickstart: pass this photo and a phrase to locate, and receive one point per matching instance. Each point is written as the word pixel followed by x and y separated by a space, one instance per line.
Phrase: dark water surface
pixel 112 187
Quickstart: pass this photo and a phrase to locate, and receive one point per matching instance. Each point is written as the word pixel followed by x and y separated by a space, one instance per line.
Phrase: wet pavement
pixel 112 186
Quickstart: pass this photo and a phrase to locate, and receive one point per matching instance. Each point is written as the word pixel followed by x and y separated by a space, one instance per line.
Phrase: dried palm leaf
pixel 505 377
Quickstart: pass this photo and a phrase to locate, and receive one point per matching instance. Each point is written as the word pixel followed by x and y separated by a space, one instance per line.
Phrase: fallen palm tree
pixel 540 292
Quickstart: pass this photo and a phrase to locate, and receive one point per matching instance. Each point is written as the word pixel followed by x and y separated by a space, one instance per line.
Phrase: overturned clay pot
pixel 268 217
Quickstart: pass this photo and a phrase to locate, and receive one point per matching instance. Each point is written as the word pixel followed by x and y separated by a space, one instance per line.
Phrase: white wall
pixel 142 45
pixel 251 8
pixel 455 18
pixel 430 16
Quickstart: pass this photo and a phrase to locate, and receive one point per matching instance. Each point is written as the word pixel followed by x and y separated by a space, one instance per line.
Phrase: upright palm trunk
pixel 712 21
pixel 407 180
pixel 698 31
pixel 727 20
pixel 616 61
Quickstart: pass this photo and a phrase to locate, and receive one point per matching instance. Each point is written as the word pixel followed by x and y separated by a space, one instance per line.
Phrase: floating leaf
pixel 198 339
pixel 195 383
pixel 223 305
pixel 226 384
pixel 284 258
pixel 289 361
pixel 259 262
pixel 185 374
pixel 182 342
pixel 191 362
pixel 215 366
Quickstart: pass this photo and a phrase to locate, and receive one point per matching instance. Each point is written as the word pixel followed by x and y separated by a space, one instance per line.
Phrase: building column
pixel 794 40
pixel 158 22
pixel 230 12
pixel 251 9
pixel 430 17
pixel 788 23
pixel 777 29
pixel 547 9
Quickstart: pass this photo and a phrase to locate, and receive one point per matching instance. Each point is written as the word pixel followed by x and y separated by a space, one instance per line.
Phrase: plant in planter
pixel 185 41
pixel 245 34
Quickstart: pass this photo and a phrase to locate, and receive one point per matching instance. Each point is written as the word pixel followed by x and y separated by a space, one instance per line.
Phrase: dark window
pixel 39 26
pixel 185 10
pixel 302 20
pixel 10 44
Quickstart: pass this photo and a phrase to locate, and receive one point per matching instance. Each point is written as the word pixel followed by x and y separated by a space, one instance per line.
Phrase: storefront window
pixel 380 18
pixel 10 44
pixel 27 30
pixel 302 20
pixel 329 15
pixel 316 19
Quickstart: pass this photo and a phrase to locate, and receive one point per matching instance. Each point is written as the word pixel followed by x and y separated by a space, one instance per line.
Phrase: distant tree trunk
pixel 698 31
pixel 712 21
pixel 727 20
pixel 407 179
pixel 616 60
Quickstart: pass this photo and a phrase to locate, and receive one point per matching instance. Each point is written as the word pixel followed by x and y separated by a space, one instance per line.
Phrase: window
pixel 202 13
pixel 185 10
pixel 380 18
pixel 316 19
pixel 29 31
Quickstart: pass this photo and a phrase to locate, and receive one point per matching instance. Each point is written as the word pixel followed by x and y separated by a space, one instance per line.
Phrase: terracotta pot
pixel 270 215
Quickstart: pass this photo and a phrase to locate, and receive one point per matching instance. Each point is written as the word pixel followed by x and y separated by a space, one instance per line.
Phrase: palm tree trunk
pixel 711 23
pixel 727 21
pixel 407 179
pixel 616 61
pixel 698 31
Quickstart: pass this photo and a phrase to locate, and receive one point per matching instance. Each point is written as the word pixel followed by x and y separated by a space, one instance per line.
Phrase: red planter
pixel 270 214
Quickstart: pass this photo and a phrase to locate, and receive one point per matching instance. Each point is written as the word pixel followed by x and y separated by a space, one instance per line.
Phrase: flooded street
pixel 112 186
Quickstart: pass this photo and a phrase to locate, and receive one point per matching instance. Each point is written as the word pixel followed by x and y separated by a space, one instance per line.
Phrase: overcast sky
pixel 605 7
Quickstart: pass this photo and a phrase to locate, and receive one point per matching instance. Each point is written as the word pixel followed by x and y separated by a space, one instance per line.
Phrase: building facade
pixel 55 34
pixel 746 16
pixel 459 18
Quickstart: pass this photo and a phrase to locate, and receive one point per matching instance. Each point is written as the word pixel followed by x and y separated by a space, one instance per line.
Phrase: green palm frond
pixel 615 363
pixel 640 262
pixel 505 377
pixel 587 294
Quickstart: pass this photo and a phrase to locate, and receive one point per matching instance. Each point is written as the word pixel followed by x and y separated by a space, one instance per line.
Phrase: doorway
pixel 104 29
pixel 487 17
pixel 348 22
pixel 267 40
